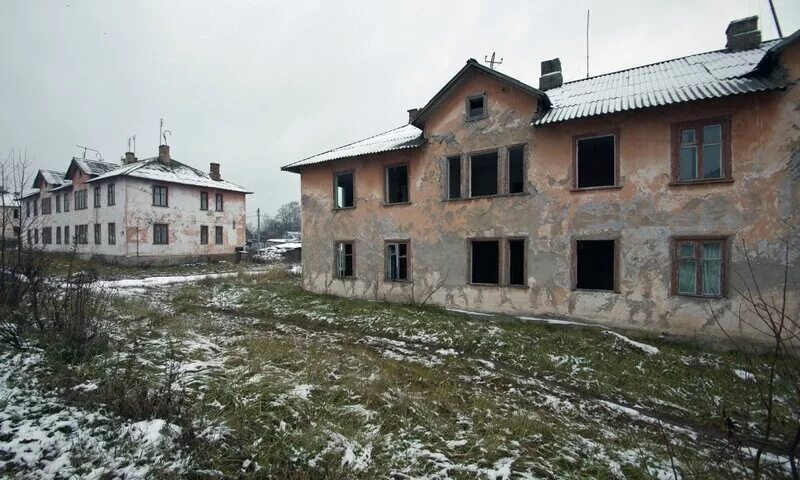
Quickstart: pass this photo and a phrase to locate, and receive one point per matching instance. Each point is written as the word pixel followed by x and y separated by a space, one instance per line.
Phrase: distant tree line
pixel 286 219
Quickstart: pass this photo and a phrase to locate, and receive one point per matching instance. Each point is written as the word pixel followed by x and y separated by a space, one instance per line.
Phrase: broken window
pixel 112 197
pixel 454 177
pixel 80 199
pixel 96 197
pixel 112 233
pixel 483 174
pixel 397 261
pixel 344 190
pixel 485 261
pixel 218 235
pixel 699 269
pixel 701 151
pixel 218 202
pixel 476 107
pixel 596 162
pixel 515 170
pixel 397 184
pixel 516 262
pixel 97 234
pixel 203 200
pixel 595 264
pixel 160 234
pixel 203 235
pixel 159 196
pixel 344 259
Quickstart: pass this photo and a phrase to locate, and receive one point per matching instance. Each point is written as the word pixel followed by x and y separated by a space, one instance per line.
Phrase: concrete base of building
pixel 160 260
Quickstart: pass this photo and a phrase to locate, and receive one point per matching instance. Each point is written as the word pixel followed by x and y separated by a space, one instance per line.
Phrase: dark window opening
pixel 218 235
pixel 344 259
pixel 454 177
pixel 516 262
pixel 112 233
pixel 486 261
pixel 515 170
pixel 160 196
pixel 97 197
pixel 82 234
pixel 67 239
pixel 160 234
pixel 596 162
pixel 203 200
pixel 397 184
pixel 47 236
pixel 112 198
pixel 397 261
pixel 204 235
pixel 97 234
pixel 595 264
pixel 344 190
pixel 58 236
pixel 218 202
pixel 476 107
pixel 483 174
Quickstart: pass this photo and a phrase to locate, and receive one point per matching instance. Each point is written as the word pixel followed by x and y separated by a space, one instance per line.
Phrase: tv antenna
pixel 132 140
pixel 162 133
pixel 492 62
pixel 587 43
pixel 96 153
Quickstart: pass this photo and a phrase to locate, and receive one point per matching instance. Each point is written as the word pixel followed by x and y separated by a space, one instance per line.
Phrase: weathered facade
pixel 649 244
pixel 156 210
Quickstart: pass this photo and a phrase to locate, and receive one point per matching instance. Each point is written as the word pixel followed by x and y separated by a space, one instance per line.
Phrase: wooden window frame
pixel 386 243
pixel 336 174
pixel 675 153
pixel 98 234
pixel 448 194
pixel 112 233
pixel 111 194
pixel 725 263
pixel 219 202
pixel 335 265
pixel 574 261
pixel 203 229
pixel 386 168
pixel 586 136
pixel 204 201
pixel 166 227
pixel 83 196
pixel 500 273
pixel 218 228
pixel 58 235
pixel 58 203
pixel 485 97
pixel 97 194
pixel 66 201
pixel 166 196
pixel 46 202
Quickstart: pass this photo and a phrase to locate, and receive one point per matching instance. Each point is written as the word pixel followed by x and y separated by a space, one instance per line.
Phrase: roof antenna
pixel 775 17
pixel 587 43
pixel 162 133
pixel 132 140
pixel 96 153
pixel 492 62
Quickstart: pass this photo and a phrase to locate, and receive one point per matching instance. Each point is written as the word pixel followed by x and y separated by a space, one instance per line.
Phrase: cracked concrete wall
pixel 759 207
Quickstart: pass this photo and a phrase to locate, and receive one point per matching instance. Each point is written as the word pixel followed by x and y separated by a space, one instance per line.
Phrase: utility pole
pixel 775 17
pixel 258 227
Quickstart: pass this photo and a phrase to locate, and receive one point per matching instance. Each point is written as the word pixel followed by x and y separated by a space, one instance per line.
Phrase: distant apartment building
pixel 9 215
pixel 621 198
pixel 156 210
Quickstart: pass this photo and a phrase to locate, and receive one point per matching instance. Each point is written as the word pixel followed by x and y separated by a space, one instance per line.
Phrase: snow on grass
pixel 744 375
pixel 648 349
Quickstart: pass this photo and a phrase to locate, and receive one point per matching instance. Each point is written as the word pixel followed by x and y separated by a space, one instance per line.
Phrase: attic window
pixel 596 161
pixel 476 107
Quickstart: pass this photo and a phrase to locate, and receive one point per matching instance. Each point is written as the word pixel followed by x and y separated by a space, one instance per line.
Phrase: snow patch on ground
pixel 744 375
pixel 648 349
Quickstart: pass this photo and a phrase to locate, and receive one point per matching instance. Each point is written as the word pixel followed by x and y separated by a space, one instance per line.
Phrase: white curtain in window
pixel 712 268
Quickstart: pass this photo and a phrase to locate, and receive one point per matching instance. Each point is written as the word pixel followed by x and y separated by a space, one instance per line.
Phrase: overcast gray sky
pixel 254 85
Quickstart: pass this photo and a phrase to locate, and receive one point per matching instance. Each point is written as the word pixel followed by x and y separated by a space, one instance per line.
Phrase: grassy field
pixel 251 376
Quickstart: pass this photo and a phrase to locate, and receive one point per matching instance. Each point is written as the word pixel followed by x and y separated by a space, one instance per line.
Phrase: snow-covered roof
pixel 93 167
pixel 175 172
pixel 696 77
pixel 67 184
pixel 407 136
pixel 51 177
pixel 29 193
pixel 7 200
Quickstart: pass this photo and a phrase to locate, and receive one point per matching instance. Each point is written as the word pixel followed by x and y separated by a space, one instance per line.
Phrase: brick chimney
pixel 551 75
pixel 743 34
pixel 412 112
pixel 163 154
pixel 213 171
pixel 128 158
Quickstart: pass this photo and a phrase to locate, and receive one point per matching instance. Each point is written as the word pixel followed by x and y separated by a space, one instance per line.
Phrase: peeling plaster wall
pixel 758 208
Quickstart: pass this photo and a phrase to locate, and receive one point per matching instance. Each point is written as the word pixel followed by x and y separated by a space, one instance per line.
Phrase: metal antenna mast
pixel 587 43
pixel 96 153
pixel 492 62
pixel 775 17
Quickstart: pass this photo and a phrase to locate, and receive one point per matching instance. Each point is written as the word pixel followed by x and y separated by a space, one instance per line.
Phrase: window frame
pixel 698 240
pixel 725 151
pixel 219 235
pixel 204 201
pixel 617 239
pixel 386 169
pixel 524 148
pixel 111 195
pixel 112 233
pixel 66 201
pixel 58 235
pixel 336 186
pixel 498 178
pixel 166 230
pixel 58 202
pixel 166 196
pixel 588 136
pixel 46 202
pixel 219 202
pixel 203 230
pixel 81 199
pixel 47 235
pixel 460 161
pixel 484 114
pixel 98 234
pixel 386 244
pixel 500 261
pixel 507 261
pixel 97 194
pixel 336 244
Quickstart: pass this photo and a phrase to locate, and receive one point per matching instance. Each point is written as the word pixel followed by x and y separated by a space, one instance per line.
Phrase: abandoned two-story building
pixel 622 198
pixel 155 210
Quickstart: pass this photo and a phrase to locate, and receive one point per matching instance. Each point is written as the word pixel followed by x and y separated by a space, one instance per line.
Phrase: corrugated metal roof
pixel 696 77
pixel 407 136
pixel 52 177
pixel 94 167
pixel 175 172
